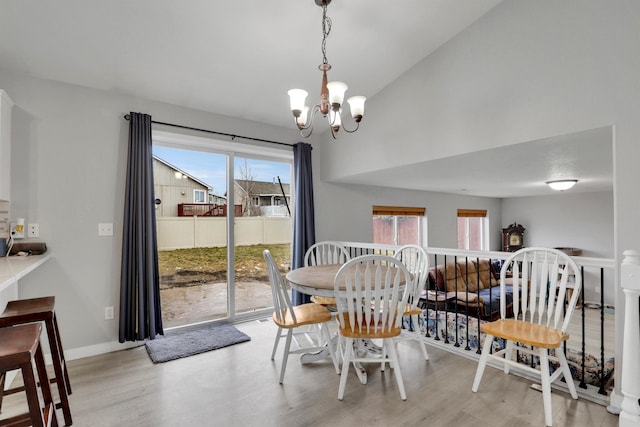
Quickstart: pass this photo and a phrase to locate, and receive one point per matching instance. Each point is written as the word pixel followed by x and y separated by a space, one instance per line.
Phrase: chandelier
pixel 331 94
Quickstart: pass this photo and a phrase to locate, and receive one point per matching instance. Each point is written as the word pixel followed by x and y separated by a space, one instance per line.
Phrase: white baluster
pixel 630 375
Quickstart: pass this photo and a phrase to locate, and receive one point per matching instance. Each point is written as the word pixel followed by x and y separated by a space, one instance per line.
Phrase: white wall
pixel 578 220
pixel 343 212
pixel 69 158
pixel 524 71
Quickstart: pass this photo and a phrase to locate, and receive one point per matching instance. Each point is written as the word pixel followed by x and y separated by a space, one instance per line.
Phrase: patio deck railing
pixel 453 326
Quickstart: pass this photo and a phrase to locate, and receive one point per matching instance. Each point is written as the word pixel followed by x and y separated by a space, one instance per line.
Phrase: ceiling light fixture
pixel 562 184
pixel 331 94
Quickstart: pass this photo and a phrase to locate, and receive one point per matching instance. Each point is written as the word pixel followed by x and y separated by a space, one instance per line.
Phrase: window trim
pixel 204 193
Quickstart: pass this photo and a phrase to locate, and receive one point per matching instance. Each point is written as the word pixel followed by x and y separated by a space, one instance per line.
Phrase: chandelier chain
pixel 326 29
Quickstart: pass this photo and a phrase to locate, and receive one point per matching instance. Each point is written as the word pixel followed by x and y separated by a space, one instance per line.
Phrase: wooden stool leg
pixel 31 389
pixel 62 358
pixel 49 410
pixel 3 377
pixel 58 369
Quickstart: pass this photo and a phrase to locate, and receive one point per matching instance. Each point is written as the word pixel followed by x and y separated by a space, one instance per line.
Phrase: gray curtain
pixel 304 228
pixel 140 311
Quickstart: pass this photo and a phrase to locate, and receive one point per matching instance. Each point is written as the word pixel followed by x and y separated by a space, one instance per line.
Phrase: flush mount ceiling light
pixel 562 184
pixel 331 94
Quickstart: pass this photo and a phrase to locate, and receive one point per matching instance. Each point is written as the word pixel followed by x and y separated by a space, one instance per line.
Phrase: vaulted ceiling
pixel 238 58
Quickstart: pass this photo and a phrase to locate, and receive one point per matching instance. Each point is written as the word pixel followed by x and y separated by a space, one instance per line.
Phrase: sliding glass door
pixel 262 200
pixel 216 211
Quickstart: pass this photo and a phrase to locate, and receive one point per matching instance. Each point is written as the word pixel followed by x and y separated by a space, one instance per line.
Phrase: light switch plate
pixel 105 229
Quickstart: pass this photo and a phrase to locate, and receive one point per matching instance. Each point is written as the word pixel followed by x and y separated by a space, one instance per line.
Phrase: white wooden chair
pixel 327 252
pixel 376 288
pixel 416 260
pixel 540 318
pixel 323 253
pixel 288 317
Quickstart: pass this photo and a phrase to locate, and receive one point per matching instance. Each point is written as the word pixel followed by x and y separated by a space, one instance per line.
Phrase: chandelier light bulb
pixel 336 93
pixel 297 99
pixel 356 103
pixel 302 119
pixel 335 121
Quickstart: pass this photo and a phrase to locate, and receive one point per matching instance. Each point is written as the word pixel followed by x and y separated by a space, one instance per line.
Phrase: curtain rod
pixel 128 117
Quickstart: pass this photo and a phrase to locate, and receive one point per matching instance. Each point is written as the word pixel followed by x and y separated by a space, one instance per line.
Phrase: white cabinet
pixel 5 146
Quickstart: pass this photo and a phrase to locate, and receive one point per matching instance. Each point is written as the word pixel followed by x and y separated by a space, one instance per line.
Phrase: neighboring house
pixel 173 187
pixel 260 198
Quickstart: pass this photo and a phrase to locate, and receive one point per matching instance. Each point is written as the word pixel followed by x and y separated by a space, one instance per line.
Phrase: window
pixel 472 230
pixel 199 196
pixel 396 225
pixel 255 201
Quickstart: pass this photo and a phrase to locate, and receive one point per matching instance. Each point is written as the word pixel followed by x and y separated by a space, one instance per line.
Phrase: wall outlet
pixel 16 232
pixel 105 229
pixel 108 313
pixel 33 230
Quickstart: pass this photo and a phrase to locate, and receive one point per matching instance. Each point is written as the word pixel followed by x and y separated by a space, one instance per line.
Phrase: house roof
pixel 264 188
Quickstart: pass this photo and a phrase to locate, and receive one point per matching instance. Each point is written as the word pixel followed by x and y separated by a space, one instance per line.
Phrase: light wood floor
pixel 238 386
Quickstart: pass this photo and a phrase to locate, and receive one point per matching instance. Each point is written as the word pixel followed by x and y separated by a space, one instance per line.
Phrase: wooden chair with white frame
pixel 323 253
pixel 540 318
pixel 288 317
pixel 371 292
pixel 415 258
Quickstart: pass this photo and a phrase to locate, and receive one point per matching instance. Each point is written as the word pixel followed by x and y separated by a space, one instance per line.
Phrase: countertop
pixel 13 268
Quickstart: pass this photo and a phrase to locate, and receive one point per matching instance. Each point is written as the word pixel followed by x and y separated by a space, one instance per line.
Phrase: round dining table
pixel 319 280
pixel 314 280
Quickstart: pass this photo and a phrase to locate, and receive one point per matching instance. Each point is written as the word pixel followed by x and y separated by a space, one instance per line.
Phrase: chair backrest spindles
pixel 416 260
pixel 539 278
pixel 281 300
pixel 327 252
pixel 374 286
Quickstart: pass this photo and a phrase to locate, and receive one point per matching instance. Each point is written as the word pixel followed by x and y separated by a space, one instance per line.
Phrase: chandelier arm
pixel 351 131
pixel 309 126
pixel 333 133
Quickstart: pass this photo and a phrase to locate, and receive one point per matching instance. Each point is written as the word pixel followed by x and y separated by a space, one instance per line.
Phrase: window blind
pixel 472 213
pixel 398 211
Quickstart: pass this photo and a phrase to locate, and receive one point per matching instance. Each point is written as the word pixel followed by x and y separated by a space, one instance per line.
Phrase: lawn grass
pixel 249 261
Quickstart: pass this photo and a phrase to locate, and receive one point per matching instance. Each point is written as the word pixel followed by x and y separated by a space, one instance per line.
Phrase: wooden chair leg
pixel 275 343
pixel 482 363
pixel 418 335
pixel 391 349
pixel 546 386
pixel 566 372
pixel 332 352
pixel 285 356
pixel 348 355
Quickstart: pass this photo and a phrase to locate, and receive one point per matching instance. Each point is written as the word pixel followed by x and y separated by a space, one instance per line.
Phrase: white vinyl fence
pixel 200 232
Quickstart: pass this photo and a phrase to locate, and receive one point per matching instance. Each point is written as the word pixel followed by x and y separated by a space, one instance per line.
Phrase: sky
pixel 211 168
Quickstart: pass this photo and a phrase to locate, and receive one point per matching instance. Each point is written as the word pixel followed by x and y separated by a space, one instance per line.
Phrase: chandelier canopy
pixel 331 94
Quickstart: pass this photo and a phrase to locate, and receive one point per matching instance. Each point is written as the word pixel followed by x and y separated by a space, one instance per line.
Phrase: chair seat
pixel 526 333
pixel 306 314
pixel 373 333
pixel 410 311
pixel 323 300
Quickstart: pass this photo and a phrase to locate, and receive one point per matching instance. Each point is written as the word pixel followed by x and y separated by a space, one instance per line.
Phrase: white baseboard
pixel 80 353
pixel 94 350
